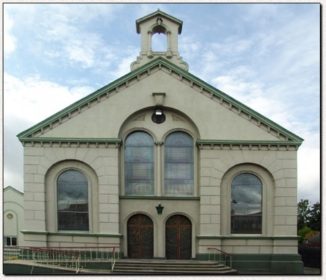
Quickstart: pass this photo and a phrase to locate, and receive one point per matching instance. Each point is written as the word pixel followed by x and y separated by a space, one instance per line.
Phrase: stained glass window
pixel 139 164
pixel 72 198
pixel 246 204
pixel 179 164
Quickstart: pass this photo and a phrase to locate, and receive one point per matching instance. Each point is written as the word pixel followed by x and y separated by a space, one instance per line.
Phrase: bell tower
pixel 159 23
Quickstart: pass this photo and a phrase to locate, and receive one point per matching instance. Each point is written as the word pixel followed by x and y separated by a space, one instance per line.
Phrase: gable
pixel 12 195
pixel 217 116
pixel 154 15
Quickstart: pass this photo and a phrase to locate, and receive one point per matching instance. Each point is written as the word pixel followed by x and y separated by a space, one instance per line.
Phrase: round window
pixel 10 216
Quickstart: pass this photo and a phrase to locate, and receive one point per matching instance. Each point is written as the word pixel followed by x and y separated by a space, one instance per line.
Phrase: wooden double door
pixel 178 236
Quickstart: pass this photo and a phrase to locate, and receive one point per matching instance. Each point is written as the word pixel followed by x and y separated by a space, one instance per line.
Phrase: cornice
pixel 247 144
pixel 69 142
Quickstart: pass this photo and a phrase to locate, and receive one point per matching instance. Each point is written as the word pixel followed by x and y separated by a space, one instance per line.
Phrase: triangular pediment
pixel 159 13
pixel 278 134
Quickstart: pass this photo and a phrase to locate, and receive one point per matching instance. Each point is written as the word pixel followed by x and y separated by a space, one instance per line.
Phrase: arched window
pixel 139 164
pixel 246 204
pixel 72 199
pixel 179 164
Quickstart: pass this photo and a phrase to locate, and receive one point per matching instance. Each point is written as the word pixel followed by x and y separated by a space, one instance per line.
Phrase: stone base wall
pixel 274 264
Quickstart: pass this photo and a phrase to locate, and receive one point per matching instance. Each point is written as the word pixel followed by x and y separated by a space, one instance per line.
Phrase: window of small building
pixel 178 164
pixel 246 204
pixel 10 241
pixel 139 164
pixel 72 199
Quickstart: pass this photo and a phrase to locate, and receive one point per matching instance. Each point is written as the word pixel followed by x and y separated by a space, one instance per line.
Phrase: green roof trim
pixel 162 14
pixel 248 142
pixel 159 62
pixel 71 140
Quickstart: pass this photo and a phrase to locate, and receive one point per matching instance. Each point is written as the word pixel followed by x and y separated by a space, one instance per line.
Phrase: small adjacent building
pixel 164 165
pixel 13 217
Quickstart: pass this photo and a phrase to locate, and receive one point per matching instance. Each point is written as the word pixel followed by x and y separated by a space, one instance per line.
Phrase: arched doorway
pixel 178 237
pixel 140 237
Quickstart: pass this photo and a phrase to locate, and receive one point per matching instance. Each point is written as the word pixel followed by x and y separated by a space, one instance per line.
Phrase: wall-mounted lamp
pixel 158 115
pixel 159 209
pixel 158 112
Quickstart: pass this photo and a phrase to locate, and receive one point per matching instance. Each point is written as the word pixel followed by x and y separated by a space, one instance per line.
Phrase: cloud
pixel 79 53
pixel 145 9
pixel 309 164
pixel 79 47
pixel 28 101
pixel 255 94
pixel 32 99
pixel 271 101
pixel 13 155
pixel 10 40
pixel 124 66
pixel 188 46
pixel 309 172
pixel 65 33
pixel 239 83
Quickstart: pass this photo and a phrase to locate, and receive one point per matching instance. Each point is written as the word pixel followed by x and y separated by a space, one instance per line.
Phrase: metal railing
pixel 220 256
pixel 11 253
pixel 75 258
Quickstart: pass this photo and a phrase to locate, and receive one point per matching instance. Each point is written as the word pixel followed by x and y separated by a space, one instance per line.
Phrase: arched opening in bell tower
pixel 159 39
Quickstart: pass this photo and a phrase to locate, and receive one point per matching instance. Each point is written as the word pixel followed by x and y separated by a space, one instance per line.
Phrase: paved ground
pixel 311 270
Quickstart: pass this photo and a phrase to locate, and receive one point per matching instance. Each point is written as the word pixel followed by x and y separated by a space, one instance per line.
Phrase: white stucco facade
pixel 228 139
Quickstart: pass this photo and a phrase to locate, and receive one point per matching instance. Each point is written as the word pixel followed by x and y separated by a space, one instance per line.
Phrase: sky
pixel 266 56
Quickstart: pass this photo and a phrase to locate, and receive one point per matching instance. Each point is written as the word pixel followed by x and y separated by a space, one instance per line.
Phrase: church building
pixel 163 165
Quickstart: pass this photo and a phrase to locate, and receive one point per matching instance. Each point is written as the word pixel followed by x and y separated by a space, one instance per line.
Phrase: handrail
pixel 225 254
pixel 64 248
pixel 72 257
pixel 113 260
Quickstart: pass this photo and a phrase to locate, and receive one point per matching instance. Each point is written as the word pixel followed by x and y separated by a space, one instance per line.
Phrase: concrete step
pixel 179 267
